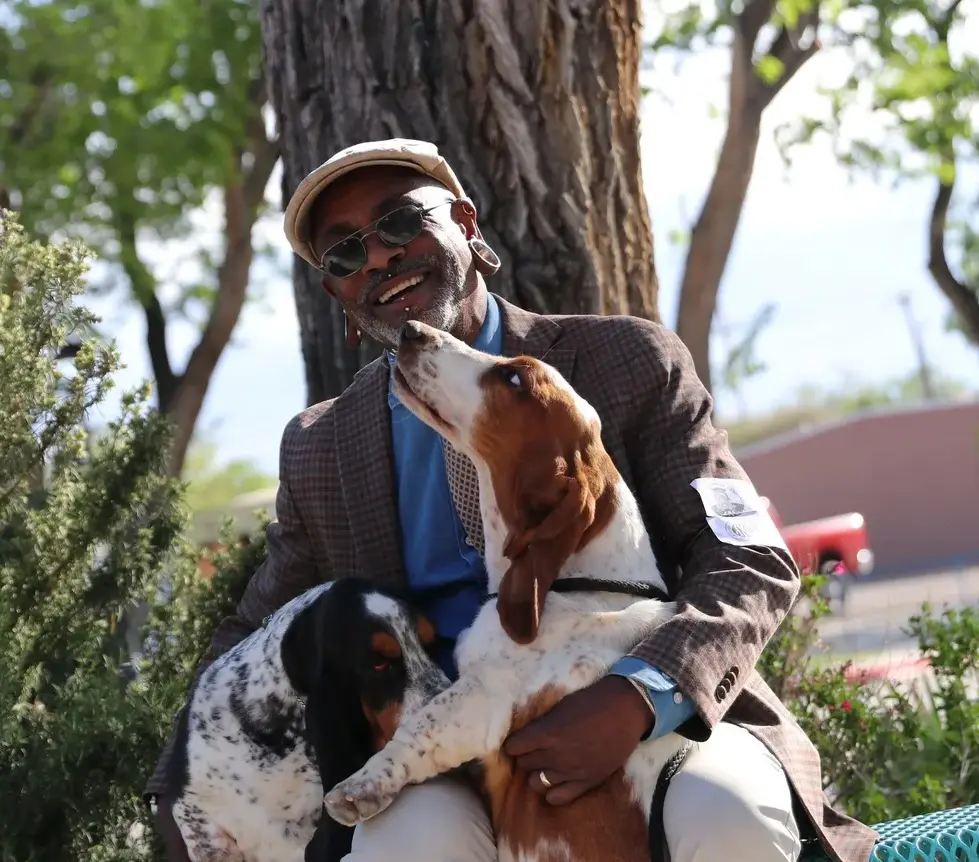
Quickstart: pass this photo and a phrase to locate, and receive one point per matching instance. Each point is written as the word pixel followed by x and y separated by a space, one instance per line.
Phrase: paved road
pixel 876 611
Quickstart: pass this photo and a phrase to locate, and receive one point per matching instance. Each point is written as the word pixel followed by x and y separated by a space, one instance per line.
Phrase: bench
pixel 945 836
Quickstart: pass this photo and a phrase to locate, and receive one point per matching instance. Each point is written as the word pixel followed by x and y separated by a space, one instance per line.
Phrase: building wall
pixel 913 474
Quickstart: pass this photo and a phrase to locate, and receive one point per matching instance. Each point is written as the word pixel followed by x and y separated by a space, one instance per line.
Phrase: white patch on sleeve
pixel 736 513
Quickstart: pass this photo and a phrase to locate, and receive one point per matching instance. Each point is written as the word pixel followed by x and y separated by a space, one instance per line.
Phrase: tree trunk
pixel 181 395
pixel 964 297
pixel 748 97
pixel 535 105
pixel 712 238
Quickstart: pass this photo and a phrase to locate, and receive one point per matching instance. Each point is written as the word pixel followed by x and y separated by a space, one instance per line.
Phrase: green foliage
pixel 888 750
pixel 86 533
pixel 908 110
pixel 121 123
pixel 770 35
pixel 123 114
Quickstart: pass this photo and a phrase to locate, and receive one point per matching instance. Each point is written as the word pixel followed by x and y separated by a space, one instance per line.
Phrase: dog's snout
pixel 413 331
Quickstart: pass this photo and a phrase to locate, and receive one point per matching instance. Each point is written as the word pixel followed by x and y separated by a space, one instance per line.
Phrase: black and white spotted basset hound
pixel 297 706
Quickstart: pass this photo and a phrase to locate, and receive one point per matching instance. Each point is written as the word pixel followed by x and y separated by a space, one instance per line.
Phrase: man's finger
pixel 562 794
pixel 547 759
pixel 535 783
pixel 525 740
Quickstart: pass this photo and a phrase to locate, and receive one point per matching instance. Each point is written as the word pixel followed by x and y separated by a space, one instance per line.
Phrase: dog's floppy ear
pixel 555 510
pixel 426 631
pixel 336 728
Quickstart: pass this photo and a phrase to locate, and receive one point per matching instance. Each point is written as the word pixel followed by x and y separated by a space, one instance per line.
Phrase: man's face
pixel 438 257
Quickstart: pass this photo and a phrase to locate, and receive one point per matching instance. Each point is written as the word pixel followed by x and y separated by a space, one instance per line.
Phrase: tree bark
pixel 535 105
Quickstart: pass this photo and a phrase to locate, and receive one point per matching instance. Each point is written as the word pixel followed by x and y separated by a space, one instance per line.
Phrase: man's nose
pixel 380 255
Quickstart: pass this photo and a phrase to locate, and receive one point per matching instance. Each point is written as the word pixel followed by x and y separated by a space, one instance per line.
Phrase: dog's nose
pixel 412 331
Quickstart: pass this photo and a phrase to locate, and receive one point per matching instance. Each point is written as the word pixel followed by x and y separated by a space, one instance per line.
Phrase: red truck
pixel 836 546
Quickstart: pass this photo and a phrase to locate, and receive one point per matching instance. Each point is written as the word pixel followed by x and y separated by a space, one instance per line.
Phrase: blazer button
pixel 720 693
pixel 735 670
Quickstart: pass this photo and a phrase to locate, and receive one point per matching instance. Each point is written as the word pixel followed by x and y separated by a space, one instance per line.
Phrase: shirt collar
pixel 489 340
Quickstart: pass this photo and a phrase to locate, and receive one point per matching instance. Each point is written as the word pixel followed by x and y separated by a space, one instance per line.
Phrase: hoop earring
pixel 351 334
pixel 487 260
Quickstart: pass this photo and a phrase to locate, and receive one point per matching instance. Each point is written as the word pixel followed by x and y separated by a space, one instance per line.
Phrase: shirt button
pixel 469 541
pixel 677 697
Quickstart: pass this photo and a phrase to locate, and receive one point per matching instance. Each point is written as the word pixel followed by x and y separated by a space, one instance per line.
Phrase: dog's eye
pixel 511 376
pixel 381 666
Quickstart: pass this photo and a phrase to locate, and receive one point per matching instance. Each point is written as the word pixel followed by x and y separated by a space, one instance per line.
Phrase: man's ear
pixel 538 553
pixel 464 214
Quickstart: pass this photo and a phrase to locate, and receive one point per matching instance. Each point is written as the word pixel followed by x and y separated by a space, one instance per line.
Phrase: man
pixel 366 488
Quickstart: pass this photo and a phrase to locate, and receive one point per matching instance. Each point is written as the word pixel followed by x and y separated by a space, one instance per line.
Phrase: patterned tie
pixel 464 485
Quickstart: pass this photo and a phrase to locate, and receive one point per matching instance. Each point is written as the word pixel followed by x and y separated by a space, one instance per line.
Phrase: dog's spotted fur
pixel 553 506
pixel 299 704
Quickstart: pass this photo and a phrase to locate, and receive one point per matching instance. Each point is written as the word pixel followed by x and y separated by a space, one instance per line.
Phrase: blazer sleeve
pixel 289 569
pixel 731 598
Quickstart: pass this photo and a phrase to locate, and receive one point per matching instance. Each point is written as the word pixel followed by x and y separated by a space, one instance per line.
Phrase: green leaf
pixel 769 69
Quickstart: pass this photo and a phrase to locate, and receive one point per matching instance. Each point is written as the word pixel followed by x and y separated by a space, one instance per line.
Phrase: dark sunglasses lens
pixel 345 258
pixel 400 227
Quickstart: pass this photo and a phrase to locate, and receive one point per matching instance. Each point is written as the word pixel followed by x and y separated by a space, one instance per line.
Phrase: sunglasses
pixel 397 228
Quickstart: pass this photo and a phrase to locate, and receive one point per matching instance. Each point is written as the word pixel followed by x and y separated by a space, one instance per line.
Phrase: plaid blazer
pixel 337 516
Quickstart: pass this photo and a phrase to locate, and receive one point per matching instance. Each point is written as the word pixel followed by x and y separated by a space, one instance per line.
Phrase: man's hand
pixel 582 740
pixel 173 842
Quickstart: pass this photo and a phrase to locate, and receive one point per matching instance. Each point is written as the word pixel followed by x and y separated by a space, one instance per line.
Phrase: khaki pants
pixel 731 801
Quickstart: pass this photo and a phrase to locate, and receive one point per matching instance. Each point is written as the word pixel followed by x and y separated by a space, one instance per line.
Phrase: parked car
pixel 837 546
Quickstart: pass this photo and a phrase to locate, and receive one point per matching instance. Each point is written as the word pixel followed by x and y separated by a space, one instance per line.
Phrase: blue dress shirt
pixel 445 573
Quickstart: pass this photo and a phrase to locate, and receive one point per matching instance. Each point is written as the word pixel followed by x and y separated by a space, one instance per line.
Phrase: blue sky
pixel 832 254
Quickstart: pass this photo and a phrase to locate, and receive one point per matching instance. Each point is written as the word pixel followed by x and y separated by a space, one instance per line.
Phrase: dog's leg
pixel 453 728
pixel 205 841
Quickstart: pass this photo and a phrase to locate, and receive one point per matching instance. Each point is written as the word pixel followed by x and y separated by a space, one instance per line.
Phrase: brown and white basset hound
pixel 554 509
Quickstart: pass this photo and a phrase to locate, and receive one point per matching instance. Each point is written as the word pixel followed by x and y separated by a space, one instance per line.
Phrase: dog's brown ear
pixel 538 553
pixel 426 631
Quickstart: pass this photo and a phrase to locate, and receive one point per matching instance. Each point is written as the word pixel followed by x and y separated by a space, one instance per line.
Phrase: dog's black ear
pixel 336 728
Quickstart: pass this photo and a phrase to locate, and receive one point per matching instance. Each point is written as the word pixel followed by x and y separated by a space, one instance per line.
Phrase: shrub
pixel 888 750
pixel 88 530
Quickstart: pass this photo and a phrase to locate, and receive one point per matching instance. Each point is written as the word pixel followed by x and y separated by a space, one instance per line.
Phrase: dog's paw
pixel 356 799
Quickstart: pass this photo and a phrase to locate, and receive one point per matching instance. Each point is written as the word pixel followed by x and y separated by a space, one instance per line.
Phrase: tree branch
pixel 144 290
pixel 964 299
pixel 242 198
pixel 263 149
pixel 787 49
pixel 41 82
pixel 747 26
pixel 756 15
pixel 265 154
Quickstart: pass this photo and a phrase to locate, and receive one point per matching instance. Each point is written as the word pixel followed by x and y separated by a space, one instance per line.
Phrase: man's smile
pixel 398 287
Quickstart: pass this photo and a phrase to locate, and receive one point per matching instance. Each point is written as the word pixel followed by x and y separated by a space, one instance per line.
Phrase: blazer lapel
pixel 528 334
pixel 365 461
